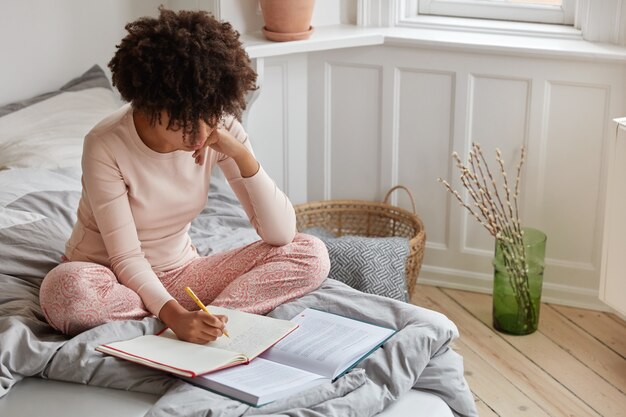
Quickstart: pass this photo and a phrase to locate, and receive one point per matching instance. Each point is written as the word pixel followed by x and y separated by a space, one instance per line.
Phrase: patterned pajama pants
pixel 77 296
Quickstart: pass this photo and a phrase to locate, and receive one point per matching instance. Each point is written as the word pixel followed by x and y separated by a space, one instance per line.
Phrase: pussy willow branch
pixel 505 180
pixel 517 183
pixel 483 189
pixel 491 197
pixel 516 233
pixel 472 212
pixel 492 181
pixel 514 218
pixel 500 218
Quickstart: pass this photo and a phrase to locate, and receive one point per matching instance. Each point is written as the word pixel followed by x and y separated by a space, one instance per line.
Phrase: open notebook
pixel 250 335
pixel 322 348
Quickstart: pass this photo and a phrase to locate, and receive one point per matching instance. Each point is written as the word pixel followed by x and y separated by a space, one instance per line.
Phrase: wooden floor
pixel 574 365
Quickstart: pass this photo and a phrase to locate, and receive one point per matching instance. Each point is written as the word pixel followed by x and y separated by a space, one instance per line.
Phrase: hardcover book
pixel 322 348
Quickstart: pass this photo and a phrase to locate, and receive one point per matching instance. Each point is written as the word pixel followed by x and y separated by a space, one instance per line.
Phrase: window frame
pixel 486 9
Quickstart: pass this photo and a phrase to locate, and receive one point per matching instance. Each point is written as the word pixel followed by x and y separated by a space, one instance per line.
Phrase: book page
pixel 326 343
pixel 250 334
pixel 262 379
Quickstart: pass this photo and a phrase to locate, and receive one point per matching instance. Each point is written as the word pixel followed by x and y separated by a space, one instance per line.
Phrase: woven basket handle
pixel 386 199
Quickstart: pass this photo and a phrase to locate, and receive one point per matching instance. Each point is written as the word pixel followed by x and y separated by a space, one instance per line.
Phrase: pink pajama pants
pixel 76 296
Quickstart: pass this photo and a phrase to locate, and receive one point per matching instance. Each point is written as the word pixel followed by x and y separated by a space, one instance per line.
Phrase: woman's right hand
pixel 192 326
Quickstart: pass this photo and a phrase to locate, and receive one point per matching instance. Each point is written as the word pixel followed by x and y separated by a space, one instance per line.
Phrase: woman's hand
pixel 200 155
pixel 192 326
pixel 223 142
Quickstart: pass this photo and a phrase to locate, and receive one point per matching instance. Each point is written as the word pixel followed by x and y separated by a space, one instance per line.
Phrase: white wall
pixel 386 115
pixel 45 43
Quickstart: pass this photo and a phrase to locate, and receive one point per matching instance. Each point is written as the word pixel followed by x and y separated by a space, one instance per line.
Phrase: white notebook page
pixel 250 334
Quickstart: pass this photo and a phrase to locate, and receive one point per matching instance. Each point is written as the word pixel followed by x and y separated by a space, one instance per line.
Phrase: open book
pixel 321 349
pixel 250 335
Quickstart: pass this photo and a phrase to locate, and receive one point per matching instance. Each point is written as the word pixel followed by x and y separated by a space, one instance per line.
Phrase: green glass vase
pixel 518 278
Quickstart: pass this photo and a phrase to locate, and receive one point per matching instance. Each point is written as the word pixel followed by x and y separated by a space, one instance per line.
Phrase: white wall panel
pixel 498 119
pixel 353 135
pixel 574 145
pixel 268 129
pixel 424 116
pixel 277 123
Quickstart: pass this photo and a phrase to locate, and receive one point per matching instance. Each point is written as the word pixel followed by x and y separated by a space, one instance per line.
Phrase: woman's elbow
pixel 281 230
pixel 282 238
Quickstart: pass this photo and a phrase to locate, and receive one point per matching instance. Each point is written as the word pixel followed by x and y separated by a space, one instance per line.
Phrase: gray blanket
pixel 37 210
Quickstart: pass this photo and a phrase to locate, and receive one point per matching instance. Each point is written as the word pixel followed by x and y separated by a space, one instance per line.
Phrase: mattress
pixel 34 397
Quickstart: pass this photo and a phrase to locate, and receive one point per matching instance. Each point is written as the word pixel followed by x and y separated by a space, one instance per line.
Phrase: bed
pixel 42 371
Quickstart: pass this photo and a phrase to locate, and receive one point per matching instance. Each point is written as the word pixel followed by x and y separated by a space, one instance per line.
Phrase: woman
pixel 146 174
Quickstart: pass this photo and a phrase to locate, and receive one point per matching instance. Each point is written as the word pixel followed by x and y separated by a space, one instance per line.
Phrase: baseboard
pixel 478 282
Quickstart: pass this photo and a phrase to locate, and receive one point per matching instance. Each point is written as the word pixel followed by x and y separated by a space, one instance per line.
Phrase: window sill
pixel 486 26
pixel 347 36
pixel 323 38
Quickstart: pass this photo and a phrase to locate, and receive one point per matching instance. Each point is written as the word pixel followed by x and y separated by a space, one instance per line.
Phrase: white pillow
pixel 50 134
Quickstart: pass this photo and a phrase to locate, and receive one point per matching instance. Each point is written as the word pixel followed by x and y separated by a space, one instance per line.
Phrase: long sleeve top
pixel 137 204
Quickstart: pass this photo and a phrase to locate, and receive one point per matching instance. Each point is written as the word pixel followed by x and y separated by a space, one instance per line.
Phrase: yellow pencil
pixel 201 305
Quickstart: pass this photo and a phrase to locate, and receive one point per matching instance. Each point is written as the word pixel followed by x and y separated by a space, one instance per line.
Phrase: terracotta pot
pixel 287 20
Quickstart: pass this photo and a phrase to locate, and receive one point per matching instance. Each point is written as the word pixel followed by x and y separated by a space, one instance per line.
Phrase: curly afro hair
pixel 185 63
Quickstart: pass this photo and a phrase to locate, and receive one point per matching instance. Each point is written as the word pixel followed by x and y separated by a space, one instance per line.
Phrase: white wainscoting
pixel 277 123
pixel 384 115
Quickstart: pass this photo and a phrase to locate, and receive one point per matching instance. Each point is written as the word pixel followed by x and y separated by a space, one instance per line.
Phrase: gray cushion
pixel 374 265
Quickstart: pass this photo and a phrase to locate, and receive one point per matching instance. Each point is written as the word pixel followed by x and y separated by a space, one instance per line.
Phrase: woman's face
pixel 162 139
pixel 176 139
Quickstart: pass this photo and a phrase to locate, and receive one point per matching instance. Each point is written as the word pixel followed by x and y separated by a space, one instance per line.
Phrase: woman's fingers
pixel 203 338
pixel 205 328
pixel 212 333
pixel 213 321
pixel 200 155
pixel 224 319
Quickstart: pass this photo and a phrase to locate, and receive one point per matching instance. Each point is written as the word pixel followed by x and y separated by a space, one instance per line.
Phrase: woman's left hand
pixel 221 141
pixel 200 155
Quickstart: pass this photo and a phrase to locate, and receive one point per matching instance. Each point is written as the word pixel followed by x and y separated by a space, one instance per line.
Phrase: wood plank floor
pixel 574 365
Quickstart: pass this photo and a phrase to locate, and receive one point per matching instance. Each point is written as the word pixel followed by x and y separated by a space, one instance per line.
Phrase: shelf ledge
pixel 349 36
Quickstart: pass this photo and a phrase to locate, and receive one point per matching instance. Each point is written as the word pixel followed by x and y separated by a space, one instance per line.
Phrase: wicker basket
pixel 372 219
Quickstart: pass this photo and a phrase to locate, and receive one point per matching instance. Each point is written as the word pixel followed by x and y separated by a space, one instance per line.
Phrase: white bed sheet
pixel 34 397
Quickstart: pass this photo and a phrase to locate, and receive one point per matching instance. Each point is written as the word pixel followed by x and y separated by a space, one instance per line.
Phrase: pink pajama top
pixel 137 205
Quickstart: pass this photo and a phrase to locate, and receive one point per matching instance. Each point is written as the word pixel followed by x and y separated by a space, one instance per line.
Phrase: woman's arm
pixel 108 197
pixel 268 208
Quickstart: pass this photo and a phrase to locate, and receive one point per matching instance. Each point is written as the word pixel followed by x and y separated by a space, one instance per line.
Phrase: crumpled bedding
pixel 36 215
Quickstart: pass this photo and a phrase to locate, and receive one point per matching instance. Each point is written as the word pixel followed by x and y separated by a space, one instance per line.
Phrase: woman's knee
pixel 67 297
pixel 317 257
